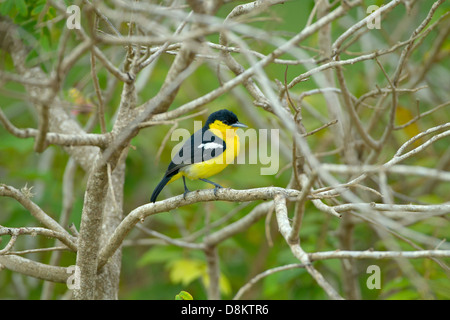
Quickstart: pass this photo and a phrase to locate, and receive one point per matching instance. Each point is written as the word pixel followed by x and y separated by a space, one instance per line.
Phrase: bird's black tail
pixel 159 188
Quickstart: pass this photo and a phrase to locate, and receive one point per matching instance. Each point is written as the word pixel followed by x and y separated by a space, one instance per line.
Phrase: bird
pixel 207 152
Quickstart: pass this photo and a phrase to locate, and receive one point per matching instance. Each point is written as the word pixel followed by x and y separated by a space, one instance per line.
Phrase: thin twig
pixel 262 275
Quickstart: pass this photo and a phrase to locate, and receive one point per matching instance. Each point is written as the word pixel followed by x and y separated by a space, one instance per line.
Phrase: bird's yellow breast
pixel 215 165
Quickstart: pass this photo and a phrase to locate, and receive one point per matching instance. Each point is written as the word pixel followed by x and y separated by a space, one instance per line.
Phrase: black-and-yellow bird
pixel 206 153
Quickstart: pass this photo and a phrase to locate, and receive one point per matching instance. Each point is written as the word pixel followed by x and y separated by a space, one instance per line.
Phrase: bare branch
pixel 62 139
pixel 33 231
pixel 262 275
pixel 379 254
pixel 34 269
pixel 39 214
pixel 285 230
pixel 144 211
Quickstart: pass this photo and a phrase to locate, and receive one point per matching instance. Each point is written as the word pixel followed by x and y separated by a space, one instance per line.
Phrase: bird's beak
pixel 239 125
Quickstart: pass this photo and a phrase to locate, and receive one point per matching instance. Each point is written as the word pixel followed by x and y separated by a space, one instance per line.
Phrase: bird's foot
pixel 186 191
pixel 217 187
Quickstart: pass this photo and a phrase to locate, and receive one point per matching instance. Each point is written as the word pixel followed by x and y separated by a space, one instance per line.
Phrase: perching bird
pixel 206 153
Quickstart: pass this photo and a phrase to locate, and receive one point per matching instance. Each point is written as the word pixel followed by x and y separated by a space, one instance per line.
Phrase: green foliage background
pixel 162 271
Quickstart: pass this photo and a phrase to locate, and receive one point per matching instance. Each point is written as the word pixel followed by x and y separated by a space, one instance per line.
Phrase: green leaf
pixel 44 42
pixel 184 295
pixel 158 255
pixel 21 7
pixel 6 7
pixel 38 9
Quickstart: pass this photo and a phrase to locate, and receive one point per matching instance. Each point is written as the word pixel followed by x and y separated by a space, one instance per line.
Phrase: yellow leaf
pixel 224 283
pixel 404 115
pixel 185 271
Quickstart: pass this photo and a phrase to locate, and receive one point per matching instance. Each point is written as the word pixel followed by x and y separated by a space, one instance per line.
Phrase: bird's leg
pixel 186 190
pixel 216 186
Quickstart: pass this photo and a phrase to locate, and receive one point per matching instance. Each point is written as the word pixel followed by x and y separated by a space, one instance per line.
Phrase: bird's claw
pixel 215 190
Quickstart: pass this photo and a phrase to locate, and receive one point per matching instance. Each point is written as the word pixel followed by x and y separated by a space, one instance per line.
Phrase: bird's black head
pixel 226 117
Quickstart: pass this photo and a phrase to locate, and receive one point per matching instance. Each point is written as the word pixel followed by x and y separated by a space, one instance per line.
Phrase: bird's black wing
pixel 203 145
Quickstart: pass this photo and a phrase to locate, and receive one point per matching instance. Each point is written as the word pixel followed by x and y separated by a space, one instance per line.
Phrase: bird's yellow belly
pixel 203 170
